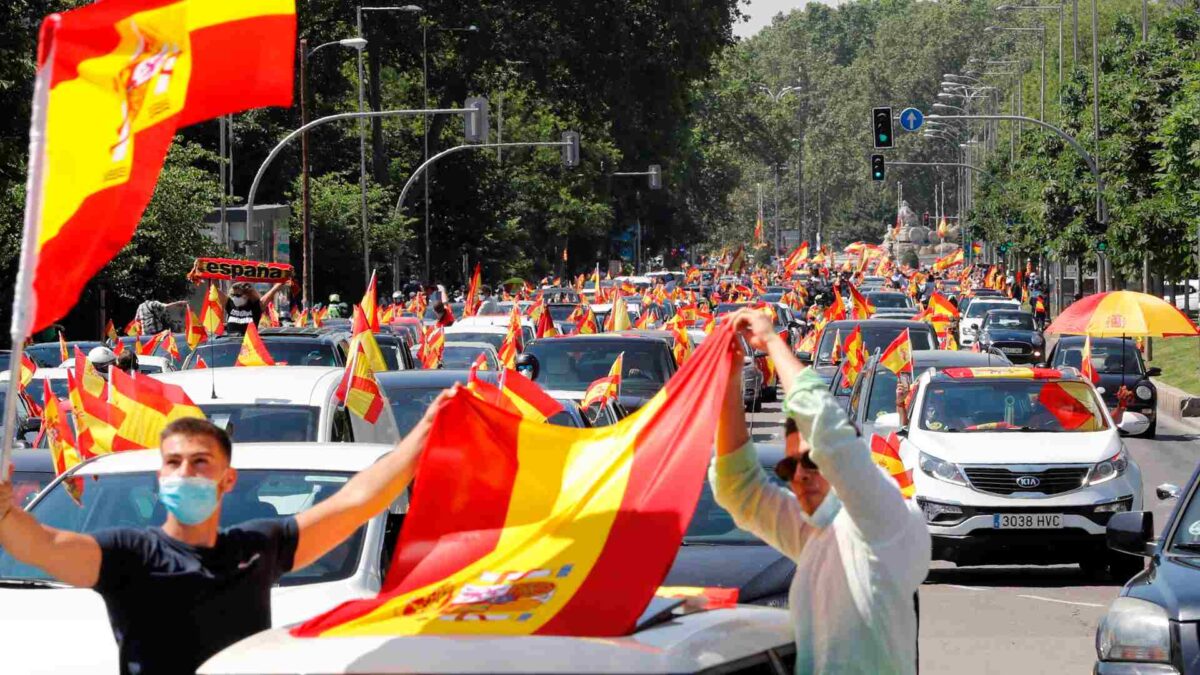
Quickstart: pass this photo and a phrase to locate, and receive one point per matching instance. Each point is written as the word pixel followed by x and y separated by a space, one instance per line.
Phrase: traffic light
pixel 1102 246
pixel 877 167
pixel 478 122
pixel 1003 248
pixel 655 177
pixel 570 151
pixel 883 127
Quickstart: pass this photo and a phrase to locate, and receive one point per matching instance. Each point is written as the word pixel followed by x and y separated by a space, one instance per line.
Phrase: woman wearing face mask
pixel 245 306
pixel 861 551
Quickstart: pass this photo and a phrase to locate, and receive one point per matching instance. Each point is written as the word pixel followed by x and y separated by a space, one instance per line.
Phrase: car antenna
pixel 212 375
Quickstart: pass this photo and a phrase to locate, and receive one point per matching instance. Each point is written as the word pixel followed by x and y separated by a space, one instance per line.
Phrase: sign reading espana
pixel 240 270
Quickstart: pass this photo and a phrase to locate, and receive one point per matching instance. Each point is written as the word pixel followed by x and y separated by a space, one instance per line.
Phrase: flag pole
pixel 23 291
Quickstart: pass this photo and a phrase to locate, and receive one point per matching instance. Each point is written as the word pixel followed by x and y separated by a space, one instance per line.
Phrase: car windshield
pixel 978 308
pixel 37 391
pixel 493 339
pixel 1187 531
pixel 712 524
pixel 989 404
pixel 250 423
pixel 881 400
pixel 455 307
pixel 889 300
pixel 561 312
pixel 289 352
pixel 49 354
pixel 1107 358
pixel 161 350
pixel 27 484
pixel 874 337
pixel 1009 320
pixel 409 404
pixel 461 357
pixel 573 365
pixel 131 500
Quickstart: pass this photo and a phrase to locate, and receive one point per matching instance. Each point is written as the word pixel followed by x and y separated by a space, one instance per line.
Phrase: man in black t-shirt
pixel 178 594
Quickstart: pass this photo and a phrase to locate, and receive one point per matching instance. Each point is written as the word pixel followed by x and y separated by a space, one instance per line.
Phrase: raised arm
pixel 266 297
pixel 762 335
pixel 70 557
pixel 372 490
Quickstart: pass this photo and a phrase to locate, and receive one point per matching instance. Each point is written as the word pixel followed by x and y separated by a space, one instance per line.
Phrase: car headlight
pixel 941 469
pixel 1110 468
pixel 1134 630
pixel 1143 392
pixel 1118 506
pixel 935 511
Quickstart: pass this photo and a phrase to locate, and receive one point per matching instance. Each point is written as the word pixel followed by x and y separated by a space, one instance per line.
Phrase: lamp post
pixel 1059 9
pixel 1042 31
pixel 305 203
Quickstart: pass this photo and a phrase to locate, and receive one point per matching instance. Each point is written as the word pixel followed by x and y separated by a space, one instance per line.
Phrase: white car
pixel 280 404
pixel 742 639
pixel 972 318
pixel 1187 294
pixel 1014 465
pixel 462 355
pixel 151 365
pixel 120 490
pixel 490 329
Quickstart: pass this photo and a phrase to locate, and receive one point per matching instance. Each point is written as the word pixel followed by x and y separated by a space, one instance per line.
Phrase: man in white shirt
pixel 861 551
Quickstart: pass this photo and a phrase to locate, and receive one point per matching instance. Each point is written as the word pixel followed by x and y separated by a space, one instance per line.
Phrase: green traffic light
pixel 883 138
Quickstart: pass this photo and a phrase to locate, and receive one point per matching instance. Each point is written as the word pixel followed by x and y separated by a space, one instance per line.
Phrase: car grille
pixel 1002 481
pixel 1023 349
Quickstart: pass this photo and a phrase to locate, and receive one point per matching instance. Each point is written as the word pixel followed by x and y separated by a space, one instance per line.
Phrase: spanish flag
pixel 359 391
pixel 363 337
pixel 212 314
pixel 587 324
pixel 683 342
pixel 115 80
pixel 856 356
pixel 63 352
pixel 1086 369
pixel 511 346
pixel 472 299
pixel 64 453
pixel 605 388
pixel 618 316
pixel 147 406
pixel 133 328
pixel 432 348
pixel 517 394
pixel 254 352
pixel 152 344
pixel 370 304
pixel 193 330
pixel 110 331
pixel 886 453
pixel 898 356
pixel 28 368
pixel 567 532
pixel 939 305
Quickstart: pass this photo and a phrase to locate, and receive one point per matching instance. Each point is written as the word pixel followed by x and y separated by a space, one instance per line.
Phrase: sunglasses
pixel 786 468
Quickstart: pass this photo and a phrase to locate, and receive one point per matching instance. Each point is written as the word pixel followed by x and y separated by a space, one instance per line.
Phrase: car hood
pixel 1111 383
pixel 1172 583
pixel 758 571
pixel 36 621
pixel 1011 335
pixel 1014 447
pixel 39 622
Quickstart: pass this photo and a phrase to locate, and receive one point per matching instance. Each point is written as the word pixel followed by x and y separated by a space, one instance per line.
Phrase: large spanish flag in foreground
pixel 567 531
pixel 115 80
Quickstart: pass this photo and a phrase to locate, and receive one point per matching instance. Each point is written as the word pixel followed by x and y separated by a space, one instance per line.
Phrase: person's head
pixel 196 470
pixel 242 293
pixel 334 298
pixel 798 469
pixel 102 358
pixel 397 296
pixel 127 361
pixel 527 365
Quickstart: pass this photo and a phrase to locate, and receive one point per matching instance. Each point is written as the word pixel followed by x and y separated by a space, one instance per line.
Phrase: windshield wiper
pixel 1187 545
pixel 31 583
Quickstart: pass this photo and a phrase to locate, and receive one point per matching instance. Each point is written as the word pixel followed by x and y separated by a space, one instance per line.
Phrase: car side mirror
pixel 805 357
pixel 31 424
pixel 974 329
pixel 1167 491
pixel 1154 372
pixel 758 354
pixel 890 420
pixel 747 360
pixel 1131 532
pixel 1133 423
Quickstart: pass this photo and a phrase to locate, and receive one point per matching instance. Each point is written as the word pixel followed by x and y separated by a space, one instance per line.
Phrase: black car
pixel 716 552
pixel 293 346
pixel 877 335
pixel 1154 626
pixel 1117 362
pixel 567 365
pixel 1014 334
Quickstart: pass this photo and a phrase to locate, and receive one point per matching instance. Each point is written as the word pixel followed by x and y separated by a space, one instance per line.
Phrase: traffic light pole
pixel 459 148
pixel 655 176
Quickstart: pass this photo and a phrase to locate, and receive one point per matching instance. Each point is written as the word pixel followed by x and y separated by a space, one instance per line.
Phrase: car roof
pixel 599 337
pixel 947 358
pixel 481 346
pixel 282 385
pixel 684 644
pixel 1009 372
pixel 248 456
pixel 423 379
pixel 1078 339
pixel 886 323
pixel 40 374
pixel 32 459
pixel 485 328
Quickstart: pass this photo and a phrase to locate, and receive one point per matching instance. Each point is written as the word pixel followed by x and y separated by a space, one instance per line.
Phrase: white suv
pixel 1020 465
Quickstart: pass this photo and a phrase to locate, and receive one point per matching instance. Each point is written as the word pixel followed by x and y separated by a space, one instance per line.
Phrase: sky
pixel 762 11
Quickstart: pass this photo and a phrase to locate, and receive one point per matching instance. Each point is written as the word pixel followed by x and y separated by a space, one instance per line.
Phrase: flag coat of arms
pixel 566 532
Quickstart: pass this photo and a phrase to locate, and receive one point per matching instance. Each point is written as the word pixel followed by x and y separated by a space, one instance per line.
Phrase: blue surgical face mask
pixel 825 513
pixel 191 499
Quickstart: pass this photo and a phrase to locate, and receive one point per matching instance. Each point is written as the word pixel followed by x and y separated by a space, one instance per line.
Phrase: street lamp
pixel 1041 30
pixel 777 96
pixel 362 131
pixel 1050 8
pixel 356 43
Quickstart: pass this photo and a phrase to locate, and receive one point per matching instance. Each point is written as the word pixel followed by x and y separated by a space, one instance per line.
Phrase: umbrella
pixel 1123 314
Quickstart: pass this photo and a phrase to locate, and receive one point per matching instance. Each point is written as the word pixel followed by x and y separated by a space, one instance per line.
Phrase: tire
pixel 770 395
pixel 1152 430
pixel 1123 566
pixel 1094 568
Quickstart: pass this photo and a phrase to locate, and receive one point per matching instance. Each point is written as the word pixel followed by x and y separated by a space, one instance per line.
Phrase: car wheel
pixel 770 395
pixel 1095 568
pixel 1123 567
pixel 1151 430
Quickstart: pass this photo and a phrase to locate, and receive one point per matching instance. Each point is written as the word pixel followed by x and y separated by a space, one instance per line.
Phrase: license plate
pixel 1012 350
pixel 1026 521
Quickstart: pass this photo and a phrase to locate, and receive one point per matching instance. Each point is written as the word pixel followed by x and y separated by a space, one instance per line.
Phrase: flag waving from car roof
pixel 115 80
pixel 567 531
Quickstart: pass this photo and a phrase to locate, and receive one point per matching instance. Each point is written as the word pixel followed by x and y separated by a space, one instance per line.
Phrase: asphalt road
pixel 1016 619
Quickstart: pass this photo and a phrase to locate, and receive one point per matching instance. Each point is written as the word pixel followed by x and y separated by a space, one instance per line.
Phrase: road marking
pixel 1065 602
pixel 966 588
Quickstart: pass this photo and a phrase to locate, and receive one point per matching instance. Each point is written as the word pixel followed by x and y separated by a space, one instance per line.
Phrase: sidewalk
pixel 1178 404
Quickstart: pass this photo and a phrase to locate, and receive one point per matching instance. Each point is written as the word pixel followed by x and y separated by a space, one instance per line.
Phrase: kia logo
pixel 1028 482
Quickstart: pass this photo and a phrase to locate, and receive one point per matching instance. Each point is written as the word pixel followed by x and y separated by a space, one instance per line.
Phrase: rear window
pixel 265 423
pixel 572 366
pixel 874 337
pixel 291 352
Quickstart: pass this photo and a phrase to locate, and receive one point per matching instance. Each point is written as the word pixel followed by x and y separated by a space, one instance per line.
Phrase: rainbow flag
pixel 567 532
